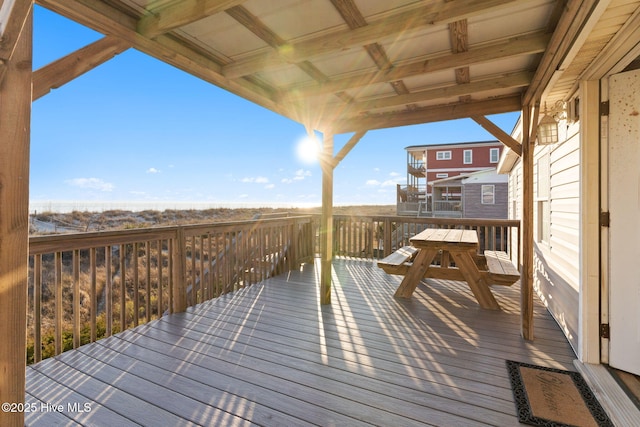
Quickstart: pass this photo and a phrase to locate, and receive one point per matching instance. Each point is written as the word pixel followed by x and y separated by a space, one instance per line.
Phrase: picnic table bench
pixel 450 254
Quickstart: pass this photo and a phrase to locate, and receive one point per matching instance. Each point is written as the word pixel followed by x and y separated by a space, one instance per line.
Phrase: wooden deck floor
pixel 270 355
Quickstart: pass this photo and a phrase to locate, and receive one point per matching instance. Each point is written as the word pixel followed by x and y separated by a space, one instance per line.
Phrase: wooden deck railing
pixel 86 286
pixel 377 237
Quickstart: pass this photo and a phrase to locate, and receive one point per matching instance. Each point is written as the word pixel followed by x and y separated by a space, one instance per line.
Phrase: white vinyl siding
pixel 564 199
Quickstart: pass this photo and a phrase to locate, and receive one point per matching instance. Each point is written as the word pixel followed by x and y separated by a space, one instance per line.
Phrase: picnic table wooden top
pixel 445 239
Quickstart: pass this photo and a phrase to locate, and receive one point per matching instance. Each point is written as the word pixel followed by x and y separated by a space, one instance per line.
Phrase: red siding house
pixel 429 163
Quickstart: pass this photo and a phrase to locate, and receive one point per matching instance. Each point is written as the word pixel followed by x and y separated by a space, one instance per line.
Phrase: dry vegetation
pixel 77 221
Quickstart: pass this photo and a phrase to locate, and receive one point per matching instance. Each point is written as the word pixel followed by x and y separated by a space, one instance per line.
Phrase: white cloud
pixel 298 175
pixel 257 180
pixel 395 180
pixel 390 182
pixel 301 174
pixel 270 186
pixel 153 170
pixel 91 184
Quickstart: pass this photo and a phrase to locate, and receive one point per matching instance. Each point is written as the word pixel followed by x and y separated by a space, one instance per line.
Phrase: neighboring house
pixel 482 194
pixel 428 163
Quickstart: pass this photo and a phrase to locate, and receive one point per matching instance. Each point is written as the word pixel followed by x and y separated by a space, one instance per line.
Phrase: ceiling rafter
pixel 520 45
pixel 511 80
pixel 458 110
pixel 75 64
pixel 440 12
pixel 354 19
pixel 179 13
pixel 257 27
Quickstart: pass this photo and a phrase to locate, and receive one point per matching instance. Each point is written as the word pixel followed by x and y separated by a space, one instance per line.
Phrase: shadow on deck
pixel 271 355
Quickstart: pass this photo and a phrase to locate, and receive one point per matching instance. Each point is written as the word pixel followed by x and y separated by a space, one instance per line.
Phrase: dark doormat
pixel 553 397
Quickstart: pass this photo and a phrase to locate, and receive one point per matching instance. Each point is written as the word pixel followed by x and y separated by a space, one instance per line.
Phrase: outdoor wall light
pixel 547 130
pixel 548 126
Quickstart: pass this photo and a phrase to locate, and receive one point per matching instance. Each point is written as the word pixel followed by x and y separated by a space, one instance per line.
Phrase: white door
pixel 624 230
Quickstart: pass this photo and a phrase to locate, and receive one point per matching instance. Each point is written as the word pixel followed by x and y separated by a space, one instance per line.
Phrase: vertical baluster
pixel 136 284
pixel 203 282
pixel 170 275
pixel 147 309
pixel 108 292
pixel 190 272
pixel 37 308
pixel 123 289
pixel 93 294
pixel 58 302
pixel 160 285
pixel 209 268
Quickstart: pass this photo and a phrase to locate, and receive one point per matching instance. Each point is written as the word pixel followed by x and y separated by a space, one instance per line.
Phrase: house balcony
pixel 253 345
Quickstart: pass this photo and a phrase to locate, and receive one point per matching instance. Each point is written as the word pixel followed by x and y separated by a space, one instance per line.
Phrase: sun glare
pixel 308 149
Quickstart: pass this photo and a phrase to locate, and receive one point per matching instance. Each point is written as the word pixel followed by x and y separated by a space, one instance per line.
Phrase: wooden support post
pixel 326 224
pixel 526 279
pixel 15 122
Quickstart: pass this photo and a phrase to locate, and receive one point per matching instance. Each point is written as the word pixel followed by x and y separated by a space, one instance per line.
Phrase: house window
pixel 488 194
pixel 442 175
pixel 468 157
pixel 443 155
pixel 494 155
pixel 542 195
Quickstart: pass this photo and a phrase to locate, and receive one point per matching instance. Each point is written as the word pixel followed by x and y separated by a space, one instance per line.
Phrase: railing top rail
pixel 197 229
pixel 441 221
pixel 73 241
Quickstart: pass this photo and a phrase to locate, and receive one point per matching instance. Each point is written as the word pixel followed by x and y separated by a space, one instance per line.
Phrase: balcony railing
pixel 86 286
pixel 377 237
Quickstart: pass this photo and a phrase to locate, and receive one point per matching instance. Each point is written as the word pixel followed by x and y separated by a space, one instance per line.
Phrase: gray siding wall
pixel 473 207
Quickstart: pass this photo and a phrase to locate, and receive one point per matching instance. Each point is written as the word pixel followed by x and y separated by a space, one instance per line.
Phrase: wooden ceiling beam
pixel 454 111
pixel 180 12
pixel 521 45
pixel 459 36
pixel 465 90
pixel 439 12
pixel 501 135
pixel 75 64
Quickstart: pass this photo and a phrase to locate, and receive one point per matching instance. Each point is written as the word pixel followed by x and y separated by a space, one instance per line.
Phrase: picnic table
pixel 457 253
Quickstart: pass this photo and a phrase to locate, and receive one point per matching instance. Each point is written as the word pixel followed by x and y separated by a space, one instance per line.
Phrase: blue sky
pixel 137 130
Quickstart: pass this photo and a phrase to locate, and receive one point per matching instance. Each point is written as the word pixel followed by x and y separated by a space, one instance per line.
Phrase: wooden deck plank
pixel 269 354
pixel 210 395
pixel 381 375
pixel 47 394
pixel 136 410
